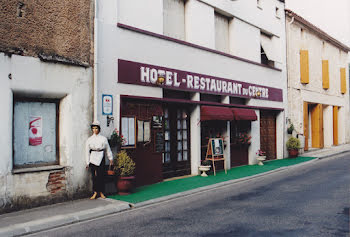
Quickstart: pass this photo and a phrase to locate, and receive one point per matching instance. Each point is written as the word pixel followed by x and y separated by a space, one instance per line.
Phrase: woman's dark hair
pixel 99 129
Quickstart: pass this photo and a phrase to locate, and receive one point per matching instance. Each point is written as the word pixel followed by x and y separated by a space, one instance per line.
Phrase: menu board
pixel 159 142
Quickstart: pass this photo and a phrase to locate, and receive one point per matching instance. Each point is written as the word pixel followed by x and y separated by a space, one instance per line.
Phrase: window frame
pixel 40 100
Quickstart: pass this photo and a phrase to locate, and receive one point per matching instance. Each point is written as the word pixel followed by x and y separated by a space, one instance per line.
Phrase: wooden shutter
pixel 325 74
pixel 306 125
pixel 335 125
pixel 342 80
pixel 317 126
pixel 304 66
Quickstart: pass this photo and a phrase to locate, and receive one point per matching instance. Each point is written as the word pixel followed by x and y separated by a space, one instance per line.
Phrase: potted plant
pixel 204 167
pixel 261 156
pixel 243 139
pixel 290 129
pixel 124 166
pixel 293 145
pixel 116 140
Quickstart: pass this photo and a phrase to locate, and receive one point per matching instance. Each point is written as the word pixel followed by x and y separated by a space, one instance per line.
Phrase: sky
pixel 333 17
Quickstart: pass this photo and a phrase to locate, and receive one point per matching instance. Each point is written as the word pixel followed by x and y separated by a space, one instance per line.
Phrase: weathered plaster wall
pixel 57 27
pixel 313 92
pixel 72 85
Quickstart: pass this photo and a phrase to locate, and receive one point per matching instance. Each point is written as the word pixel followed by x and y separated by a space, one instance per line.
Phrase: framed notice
pixel 128 130
pixel 143 131
pixel 217 146
pixel 159 142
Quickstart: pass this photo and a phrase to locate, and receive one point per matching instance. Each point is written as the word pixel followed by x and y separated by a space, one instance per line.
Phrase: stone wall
pixel 58 28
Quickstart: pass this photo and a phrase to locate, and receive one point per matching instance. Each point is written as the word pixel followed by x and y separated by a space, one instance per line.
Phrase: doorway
pixel 268 133
pixel 176 155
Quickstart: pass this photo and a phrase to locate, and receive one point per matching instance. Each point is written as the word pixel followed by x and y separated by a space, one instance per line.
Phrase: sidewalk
pixel 47 217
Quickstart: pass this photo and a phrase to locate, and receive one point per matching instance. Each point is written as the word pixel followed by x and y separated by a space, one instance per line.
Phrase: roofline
pixel 317 30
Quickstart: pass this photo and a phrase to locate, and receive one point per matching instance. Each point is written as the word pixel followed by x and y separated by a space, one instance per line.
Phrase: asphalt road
pixel 309 200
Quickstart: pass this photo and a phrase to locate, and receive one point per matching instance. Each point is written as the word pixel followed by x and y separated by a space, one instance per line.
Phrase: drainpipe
pixel 95 95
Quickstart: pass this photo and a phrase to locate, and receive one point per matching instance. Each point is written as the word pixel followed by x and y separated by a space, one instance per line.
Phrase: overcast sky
pixel 333 17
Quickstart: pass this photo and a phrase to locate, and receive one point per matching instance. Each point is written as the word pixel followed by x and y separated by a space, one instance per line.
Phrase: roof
pixel 317 30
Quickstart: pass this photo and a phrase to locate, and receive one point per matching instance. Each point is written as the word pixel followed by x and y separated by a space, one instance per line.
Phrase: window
pixel 35 125
pixel 269 53
pixel 258 4
pixel 304 66
pixel 174 19
pixel 221 33
pixel 278 12
pixel 325 74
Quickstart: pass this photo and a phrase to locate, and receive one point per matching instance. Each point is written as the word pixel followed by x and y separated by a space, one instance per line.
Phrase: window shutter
pixel 325 74
pixel 342 80
pixel 304 66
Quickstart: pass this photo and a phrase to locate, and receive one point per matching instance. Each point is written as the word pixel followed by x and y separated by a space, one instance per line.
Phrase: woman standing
pixel 96 147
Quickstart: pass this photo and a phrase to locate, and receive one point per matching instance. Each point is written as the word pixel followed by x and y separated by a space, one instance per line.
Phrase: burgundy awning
pixel 216 113
pixel 244 114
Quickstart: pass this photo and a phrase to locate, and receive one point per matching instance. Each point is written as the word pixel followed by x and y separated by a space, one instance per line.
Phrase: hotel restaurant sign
pixel 150 75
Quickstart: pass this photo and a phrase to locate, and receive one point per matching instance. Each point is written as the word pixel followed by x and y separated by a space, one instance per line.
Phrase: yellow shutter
pixel 306 125
pixel 325 74
pixel 304 66
pixel 335 125
pixel 317 126
pixel 342 80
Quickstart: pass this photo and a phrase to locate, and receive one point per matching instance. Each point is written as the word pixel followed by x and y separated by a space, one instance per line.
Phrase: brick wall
pixel 56 182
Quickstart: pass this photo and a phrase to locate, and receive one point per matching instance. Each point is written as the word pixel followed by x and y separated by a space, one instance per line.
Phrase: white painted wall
pixel 114 43
pixel 73 86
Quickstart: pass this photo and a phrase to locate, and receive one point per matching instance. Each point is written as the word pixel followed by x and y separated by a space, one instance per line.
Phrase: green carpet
pixel 165 188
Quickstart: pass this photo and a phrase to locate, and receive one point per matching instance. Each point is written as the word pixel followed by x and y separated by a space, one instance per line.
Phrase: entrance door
pixel 317 126
pixel 176 156
pixel 268 133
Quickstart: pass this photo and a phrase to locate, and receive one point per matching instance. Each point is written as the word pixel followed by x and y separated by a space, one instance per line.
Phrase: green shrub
pixel 293 143
pixel 124 165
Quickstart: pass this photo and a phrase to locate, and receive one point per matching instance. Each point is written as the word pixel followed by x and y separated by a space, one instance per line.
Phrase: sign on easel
pixel 215 152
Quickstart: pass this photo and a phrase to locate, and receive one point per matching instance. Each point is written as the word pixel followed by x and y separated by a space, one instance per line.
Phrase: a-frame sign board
pixel 215 152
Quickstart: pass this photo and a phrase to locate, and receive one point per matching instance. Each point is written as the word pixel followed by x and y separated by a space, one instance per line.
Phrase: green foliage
pixel 293 143
pixel 123 164
pixel 116 139
pixel 290 129
pixel 206 162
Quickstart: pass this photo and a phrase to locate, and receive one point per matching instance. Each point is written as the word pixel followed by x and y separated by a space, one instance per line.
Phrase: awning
pixel 270 48
pixel 244 114
pixel 216 113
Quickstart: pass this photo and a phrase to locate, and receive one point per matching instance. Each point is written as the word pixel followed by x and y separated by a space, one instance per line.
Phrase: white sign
pixel 107 104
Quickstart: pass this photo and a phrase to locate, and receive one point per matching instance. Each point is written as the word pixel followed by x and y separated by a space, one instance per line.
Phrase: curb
pixel 61 220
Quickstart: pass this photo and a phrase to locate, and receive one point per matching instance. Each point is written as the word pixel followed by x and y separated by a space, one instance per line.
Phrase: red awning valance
pixel 244 114
pixel 216 113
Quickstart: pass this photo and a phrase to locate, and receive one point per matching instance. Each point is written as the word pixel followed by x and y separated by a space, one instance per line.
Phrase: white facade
pixel 301 35
pixel 32 79
pixel 195 53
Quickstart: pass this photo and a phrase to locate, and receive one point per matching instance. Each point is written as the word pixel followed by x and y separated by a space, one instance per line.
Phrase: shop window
pixel 173 94
pixel 221 33
pixel 210 98
pixel 35 125
pixel 237 101
pixel 174 19
pixel 240 132
pixel 211 129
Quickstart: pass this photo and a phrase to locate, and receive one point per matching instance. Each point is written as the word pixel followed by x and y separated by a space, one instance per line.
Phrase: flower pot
pixel 293 153
pixel 125 185
pixel 260 159
pixel 204 168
